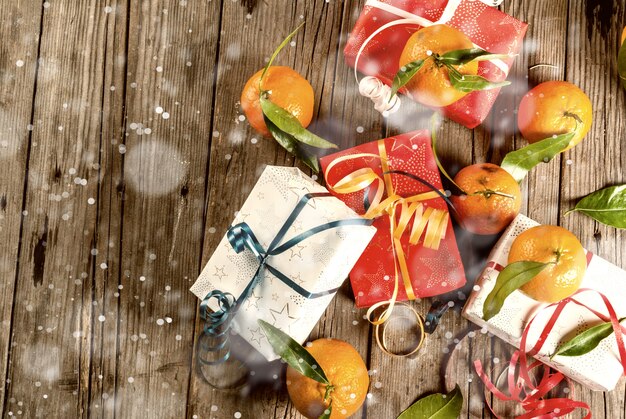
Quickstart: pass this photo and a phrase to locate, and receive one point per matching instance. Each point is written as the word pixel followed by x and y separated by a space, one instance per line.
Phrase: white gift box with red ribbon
pixel 599 369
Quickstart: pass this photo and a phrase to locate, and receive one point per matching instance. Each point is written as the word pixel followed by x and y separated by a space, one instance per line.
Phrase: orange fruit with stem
pixel 431 84
pixel 554 108
pixel 493 198
pixel 346 372
pixel 563 253
pixel 286 88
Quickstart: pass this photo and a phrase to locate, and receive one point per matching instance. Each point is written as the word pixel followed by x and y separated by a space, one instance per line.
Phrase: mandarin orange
pixel 346 372
pixel 493 198
pixel 553 108
pixel 431 84
pixel 286 88
pixel 566 258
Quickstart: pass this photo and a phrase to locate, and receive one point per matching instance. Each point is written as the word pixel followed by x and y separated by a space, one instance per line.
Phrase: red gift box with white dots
pixel 487 27
pixel 433 272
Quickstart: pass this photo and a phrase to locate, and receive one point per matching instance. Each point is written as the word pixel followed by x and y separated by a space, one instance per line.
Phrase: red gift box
pixel 485 26
pixel 432 271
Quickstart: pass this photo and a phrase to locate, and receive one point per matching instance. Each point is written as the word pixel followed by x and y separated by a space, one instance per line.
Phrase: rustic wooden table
pixel 124 157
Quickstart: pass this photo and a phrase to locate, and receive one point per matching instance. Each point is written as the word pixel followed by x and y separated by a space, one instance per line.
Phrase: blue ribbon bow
pixel 240 236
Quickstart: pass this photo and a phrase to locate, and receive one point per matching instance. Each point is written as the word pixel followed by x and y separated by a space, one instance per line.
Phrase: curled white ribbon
pixel 380 94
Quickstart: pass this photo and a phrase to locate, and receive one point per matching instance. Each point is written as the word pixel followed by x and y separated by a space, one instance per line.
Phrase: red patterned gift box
pixel 486 26
pixel 433 262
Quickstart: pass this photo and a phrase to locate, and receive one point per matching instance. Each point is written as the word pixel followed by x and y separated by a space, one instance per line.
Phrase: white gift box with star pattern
pixel 319 263
pixel 599 369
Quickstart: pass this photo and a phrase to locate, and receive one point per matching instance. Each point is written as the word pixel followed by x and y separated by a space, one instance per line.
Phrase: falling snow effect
pixel 134 203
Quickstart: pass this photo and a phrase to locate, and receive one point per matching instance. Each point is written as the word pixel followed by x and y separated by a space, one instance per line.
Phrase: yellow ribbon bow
pixel 433 221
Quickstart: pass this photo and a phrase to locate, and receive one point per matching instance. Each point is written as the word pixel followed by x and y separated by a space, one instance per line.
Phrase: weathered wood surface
pixel 124 159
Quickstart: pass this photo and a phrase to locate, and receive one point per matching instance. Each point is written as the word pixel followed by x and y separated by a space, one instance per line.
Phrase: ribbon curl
pixel 240 236
pixel 433 222
pixel 521 387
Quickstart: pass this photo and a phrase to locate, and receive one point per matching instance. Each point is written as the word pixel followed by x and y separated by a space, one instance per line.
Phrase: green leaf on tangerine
pixel 293 353
pixel 276 51
pixel 519 162
pixel 469 83
pixel 404 75
pixel 289 143
pixel 607 206
pixel 436 406
pixel 288 123
pixel 586 341
pixel 464 56
pixel 512 277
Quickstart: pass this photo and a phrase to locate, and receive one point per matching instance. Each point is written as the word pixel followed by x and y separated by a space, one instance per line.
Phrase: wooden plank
pixel 19 30
pixel 171 56
pixel 109 203
pixel 49 360
pixel 591 61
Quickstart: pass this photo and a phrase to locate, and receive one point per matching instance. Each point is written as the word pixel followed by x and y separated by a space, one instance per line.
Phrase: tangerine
pixel 346 372
pixel 493 198
pixel 286 88
pixel 431 84
pixel 554 108
pixel 564 254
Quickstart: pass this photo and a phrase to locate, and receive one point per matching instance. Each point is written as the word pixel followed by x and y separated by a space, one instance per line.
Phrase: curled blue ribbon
pixel 240 236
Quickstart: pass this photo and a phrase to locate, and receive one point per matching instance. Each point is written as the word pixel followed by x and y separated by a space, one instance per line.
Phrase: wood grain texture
pixel 138 160
pixel 19 29
pixel 171 47
pixel 109 201
pixel 49 359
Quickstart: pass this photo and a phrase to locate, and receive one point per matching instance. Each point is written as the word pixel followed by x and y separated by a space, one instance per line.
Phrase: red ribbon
pixel 521 388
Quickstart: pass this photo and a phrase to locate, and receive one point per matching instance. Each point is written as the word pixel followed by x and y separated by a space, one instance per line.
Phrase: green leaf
pixel 586 341
pixel 464 56
pixel 512 277
pixel 288 123
pixel 607 206
pixel 327 412
pixel 436 406
pixel 621 64
pixel 276 51
pixel 519 162
pixel 404 75
pixel 293 353
pixel 290 144
pixel 469 83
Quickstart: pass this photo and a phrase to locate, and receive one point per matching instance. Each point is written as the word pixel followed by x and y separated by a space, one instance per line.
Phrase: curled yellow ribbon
pixel 433 222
